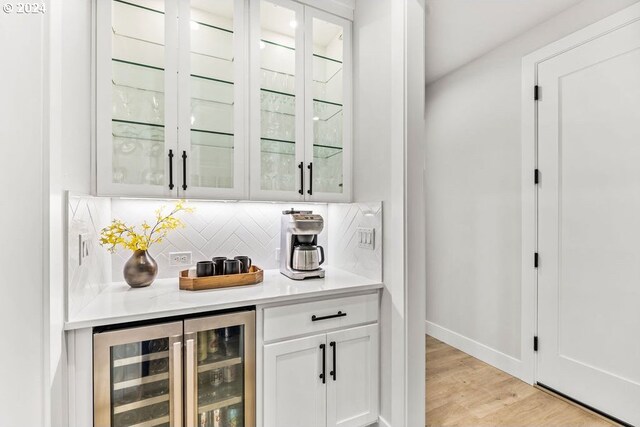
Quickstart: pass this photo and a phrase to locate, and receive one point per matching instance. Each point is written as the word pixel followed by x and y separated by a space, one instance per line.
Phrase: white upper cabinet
pixel 277 100
pixel 300 103
pixel 136 122
pixel 222 99
pixel 171 99
pixel 212 82
pixel 328 109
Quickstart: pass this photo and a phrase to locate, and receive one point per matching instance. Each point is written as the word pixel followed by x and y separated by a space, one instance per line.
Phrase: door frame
pixel 529 145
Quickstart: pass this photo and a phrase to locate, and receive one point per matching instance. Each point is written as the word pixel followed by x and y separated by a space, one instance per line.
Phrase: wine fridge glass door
pixel 220 370
pixel 138 377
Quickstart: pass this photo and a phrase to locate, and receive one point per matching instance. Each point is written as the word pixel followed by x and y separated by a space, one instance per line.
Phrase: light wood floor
pixel 463 391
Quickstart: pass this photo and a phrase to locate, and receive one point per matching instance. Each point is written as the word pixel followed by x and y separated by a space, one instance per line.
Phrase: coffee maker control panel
pixel 307 217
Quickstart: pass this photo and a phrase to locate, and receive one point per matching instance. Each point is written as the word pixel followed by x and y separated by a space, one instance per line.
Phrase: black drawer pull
pixel 334 373
pixel 323 377
pixel 315 318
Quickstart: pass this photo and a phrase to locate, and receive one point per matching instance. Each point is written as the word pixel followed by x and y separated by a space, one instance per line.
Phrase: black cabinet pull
pixel 310 190
pixel 300 166
pixel 315 318
pixel 324 363
pixel 184 170
pixel 333 373
pixel 171 170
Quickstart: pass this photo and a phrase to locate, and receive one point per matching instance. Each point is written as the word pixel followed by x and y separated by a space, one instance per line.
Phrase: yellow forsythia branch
pixel 120 234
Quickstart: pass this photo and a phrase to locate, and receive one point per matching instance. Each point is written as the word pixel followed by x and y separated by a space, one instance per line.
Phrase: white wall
pixel 22 303
pixel 69 118
pixel 473 195
pixel 386 70
pixel 372 149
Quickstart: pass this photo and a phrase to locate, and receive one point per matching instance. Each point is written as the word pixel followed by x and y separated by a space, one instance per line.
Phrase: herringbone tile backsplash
pixel 214 229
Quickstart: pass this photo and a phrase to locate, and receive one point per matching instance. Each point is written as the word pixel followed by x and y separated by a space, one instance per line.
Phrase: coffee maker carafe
pixel 300 255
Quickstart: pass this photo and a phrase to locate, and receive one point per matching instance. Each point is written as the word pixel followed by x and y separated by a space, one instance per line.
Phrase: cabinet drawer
pixel 317 316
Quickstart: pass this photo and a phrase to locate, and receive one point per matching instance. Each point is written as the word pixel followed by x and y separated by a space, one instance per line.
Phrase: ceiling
pixel 459 31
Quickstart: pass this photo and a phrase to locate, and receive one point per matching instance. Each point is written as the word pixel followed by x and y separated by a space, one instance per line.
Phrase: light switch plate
pixel 179 258
pixel 366 237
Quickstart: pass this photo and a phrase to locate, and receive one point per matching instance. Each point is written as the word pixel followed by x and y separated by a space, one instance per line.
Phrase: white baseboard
pixel 382 422
pixel 493 357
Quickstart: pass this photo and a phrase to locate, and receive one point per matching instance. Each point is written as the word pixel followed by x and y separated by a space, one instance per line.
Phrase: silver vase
pixel 140 270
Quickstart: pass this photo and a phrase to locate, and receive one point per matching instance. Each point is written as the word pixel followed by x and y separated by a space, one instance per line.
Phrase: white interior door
pixel 589 223
pixel 294 393
pixel 352 381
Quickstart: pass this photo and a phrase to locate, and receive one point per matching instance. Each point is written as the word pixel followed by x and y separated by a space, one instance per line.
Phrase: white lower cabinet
pixel 294 395
pixel 325 379
pixel 352 385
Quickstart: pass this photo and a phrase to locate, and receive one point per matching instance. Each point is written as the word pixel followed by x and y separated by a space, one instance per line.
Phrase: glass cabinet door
pixel 138 377
pixel 212 99
pixel 328 106
pixel 277 123
pixel 220 370
pixel 136 99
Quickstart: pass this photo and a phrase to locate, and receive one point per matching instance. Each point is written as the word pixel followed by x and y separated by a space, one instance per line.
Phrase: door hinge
pixel 535 343
pixel 536 176
pixel 536 93
pixel 535 260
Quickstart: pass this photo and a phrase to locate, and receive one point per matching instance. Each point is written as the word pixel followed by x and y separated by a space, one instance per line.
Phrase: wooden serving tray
pixel 254 276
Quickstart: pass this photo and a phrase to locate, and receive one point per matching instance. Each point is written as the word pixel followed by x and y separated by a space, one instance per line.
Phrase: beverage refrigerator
pixel 192 372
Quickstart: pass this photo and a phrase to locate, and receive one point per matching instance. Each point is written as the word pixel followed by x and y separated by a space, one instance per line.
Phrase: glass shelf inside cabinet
pixel 137 131
pixel 277 102
pixel 211 139
pixel 140 383
pixel 138 43
pixel 287 148
pixel 137 92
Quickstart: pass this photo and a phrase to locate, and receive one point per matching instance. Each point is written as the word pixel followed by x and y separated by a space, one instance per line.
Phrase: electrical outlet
pixel 84 247
pixel 179 258
pixel 366 238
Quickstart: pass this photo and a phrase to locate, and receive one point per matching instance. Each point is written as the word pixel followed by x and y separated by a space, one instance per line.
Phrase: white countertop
pixel 121 304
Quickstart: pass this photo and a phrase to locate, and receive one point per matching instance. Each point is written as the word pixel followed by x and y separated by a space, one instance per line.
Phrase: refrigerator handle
pixel 176 393
pixel 190 380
